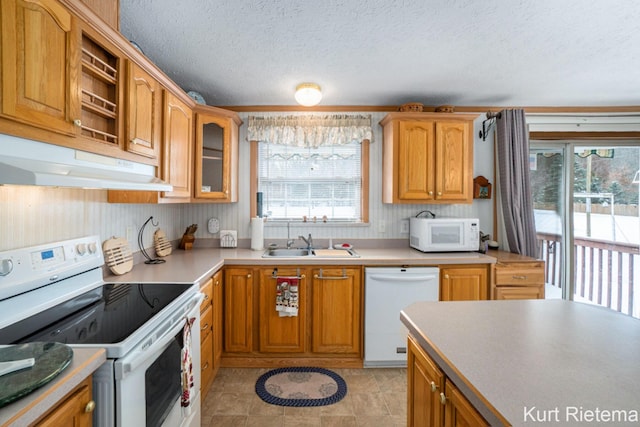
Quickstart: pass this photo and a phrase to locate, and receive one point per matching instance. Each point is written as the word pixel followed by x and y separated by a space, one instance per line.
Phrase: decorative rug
pixel 301 386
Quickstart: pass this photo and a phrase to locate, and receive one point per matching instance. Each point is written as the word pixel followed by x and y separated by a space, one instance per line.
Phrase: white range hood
pixel 26 162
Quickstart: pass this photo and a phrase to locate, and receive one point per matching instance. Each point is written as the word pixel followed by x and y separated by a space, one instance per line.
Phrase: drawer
pixel 207 289
pixel 524 276
pixel 206 365
pixel 206 321
pixel 519 292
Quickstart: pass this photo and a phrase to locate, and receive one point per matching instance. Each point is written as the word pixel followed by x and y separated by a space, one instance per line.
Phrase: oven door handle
pixel 158 340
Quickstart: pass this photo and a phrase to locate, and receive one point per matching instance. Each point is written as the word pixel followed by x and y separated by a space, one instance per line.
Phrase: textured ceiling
pixel 389 52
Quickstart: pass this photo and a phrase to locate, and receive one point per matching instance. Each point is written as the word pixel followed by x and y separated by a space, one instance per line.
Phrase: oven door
pixel 147 380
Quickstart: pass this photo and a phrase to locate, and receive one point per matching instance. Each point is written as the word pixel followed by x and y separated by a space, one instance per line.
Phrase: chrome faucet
pixel 308 241
pixel 289 239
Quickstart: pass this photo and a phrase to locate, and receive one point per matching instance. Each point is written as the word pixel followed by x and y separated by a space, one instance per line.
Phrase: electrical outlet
pixel 129 234
pixel 404 226
pixel 382 227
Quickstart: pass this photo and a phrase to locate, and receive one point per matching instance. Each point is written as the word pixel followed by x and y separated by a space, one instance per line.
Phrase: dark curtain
pixel 512 140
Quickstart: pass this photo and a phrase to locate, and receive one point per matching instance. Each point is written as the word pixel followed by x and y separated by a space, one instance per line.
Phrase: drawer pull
pixel 519 277
pixel 206 365
pixel 205 327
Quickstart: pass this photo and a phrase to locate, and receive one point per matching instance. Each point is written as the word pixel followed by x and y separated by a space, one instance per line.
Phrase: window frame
pixel 364 187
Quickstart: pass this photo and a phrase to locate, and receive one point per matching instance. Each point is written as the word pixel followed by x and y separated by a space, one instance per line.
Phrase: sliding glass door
pixel 588 221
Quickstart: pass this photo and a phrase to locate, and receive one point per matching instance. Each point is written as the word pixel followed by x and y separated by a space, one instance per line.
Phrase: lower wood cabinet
pixel 433 400
pixel 206 349
pixel 517 276
pixel 281 334
pixel 75 410
pixel 337 310
pixel 217 319
pixel 464 282
pixel 328 324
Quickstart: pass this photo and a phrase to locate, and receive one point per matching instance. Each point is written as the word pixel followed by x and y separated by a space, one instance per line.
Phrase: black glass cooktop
pixel 105 315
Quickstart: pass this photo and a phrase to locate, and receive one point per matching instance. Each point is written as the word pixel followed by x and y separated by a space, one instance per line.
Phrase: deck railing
pixel 606 273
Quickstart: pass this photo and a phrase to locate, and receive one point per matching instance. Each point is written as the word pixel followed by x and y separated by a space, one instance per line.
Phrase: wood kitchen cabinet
pixel 281 334
pixel 238 310
pixel 216 154
pixel 464 282
pixel 517 276
pixel 206 346
pixel 336 310
pixel 217 319
pixel 144 112
pixel 427 158
pixel 40 58
pixel 75 410
pixel 432 398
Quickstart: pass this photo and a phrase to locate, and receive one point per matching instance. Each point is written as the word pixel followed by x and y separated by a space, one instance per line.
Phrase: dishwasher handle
pixel 402 278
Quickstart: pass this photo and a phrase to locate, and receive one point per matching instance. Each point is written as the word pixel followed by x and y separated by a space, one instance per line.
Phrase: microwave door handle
pixel 402 278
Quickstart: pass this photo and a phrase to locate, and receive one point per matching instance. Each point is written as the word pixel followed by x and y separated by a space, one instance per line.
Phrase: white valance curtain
pixel 310 130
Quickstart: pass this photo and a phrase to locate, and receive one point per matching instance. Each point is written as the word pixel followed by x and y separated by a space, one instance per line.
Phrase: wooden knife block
pixel 188 238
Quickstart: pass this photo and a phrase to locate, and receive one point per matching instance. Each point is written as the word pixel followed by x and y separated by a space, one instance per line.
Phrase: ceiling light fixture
pixel 308 94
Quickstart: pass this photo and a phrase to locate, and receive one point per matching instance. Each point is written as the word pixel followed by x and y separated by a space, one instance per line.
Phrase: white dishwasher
pixel 387 291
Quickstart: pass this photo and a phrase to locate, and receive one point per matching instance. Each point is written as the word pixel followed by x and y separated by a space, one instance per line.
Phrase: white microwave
pixel 444 234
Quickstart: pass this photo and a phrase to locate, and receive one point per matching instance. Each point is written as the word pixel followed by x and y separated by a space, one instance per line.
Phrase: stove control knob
pixel 92 248
pixel 81 248
pixel 6 267
pixel 83 334
pixel 93 326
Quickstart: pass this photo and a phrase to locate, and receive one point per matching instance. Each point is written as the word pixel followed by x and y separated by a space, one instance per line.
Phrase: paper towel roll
pixel 257 234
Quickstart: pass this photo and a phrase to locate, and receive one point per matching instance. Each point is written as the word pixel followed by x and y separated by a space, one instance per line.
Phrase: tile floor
pixel 375 397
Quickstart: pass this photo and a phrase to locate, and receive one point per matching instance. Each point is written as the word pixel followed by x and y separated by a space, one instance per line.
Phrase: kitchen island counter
pixel 520 363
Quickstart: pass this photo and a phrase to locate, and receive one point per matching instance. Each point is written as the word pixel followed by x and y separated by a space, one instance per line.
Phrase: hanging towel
pixel 187 368
pixel 287 296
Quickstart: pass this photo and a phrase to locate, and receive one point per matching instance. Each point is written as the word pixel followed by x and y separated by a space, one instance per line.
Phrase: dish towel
pixel 287 296
pixel 187 368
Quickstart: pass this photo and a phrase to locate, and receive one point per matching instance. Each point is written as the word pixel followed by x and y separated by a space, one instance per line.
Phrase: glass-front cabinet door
pixel 216 168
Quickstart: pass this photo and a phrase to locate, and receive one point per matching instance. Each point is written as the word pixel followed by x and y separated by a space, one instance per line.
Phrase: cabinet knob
pixel 434 387
pixel 90 406
pixel 439 193
pixel 249 276
pixel 206 365
pixel 431 193
pixel 446 276
pixel 443 399
pixel 205 327
pixel 77 122
pixel 216 283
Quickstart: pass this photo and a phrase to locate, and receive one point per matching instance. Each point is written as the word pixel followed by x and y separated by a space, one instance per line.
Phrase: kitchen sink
pixel 292 252
pixel 316 253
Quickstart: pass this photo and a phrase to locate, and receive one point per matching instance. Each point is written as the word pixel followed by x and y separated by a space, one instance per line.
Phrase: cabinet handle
pixel 206 297
pixel 206 365
pixel 217 282
pixel 249 276
pixel 90 406
pixel 519 277
pixel 77 122
pixel 205 327
pixel 434 387
pixel 443 399
pixel 446 276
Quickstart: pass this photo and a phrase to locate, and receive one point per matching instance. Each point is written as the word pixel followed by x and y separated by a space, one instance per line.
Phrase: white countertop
pixel 196 265
pixel 26 410
pixel 553 358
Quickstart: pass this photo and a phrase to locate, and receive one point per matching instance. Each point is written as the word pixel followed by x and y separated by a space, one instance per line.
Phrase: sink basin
pixel 294 252
pixel 316 253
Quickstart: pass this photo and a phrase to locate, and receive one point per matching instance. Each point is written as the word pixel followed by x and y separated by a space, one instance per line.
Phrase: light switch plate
pixel 228 238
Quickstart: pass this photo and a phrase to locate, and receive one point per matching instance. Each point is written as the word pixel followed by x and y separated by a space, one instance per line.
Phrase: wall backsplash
pixel 35 215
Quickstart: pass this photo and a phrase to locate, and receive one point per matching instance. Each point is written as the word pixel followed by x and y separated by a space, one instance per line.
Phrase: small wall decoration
pixel 481 188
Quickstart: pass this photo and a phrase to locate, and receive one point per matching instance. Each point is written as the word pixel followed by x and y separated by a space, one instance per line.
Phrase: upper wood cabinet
pixel 464 283
pixel 40 54
pixel 427 158
pixel 216 154
pixel 144 112
pixel 177 149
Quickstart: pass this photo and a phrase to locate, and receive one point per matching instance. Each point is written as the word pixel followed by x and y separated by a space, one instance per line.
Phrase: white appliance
pixel 388 290
pixel 56 292
pixel 444 234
